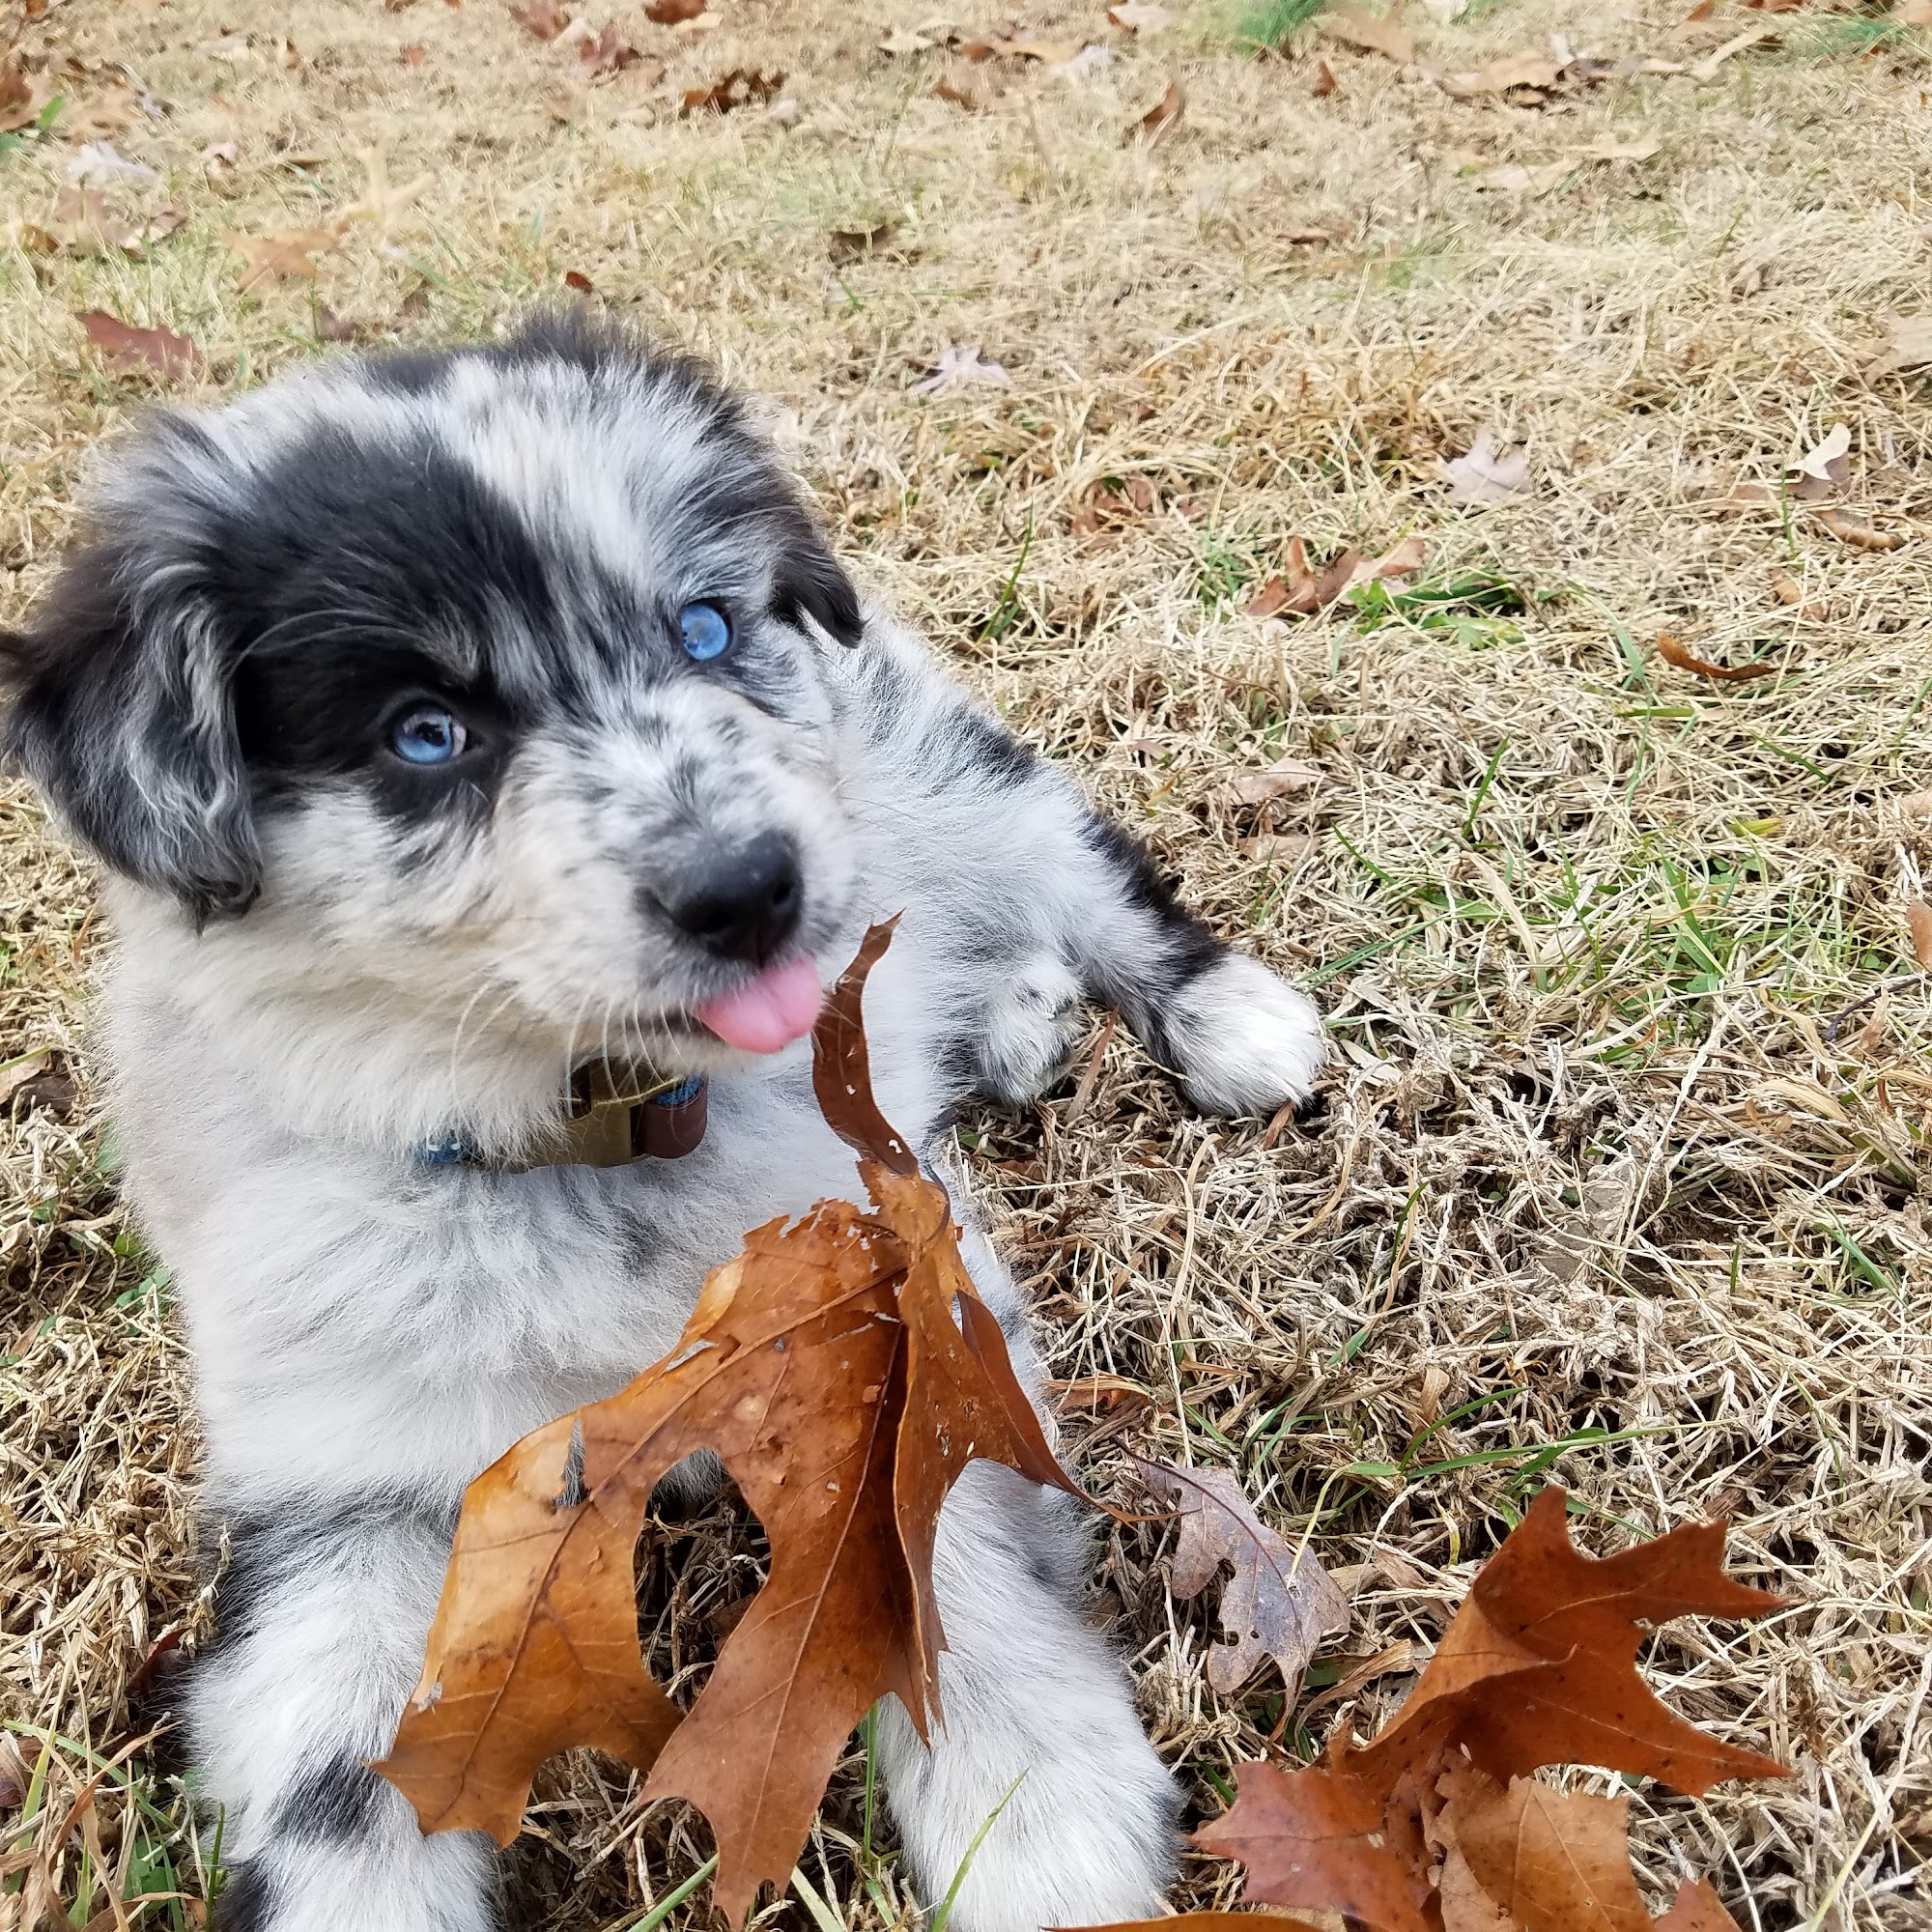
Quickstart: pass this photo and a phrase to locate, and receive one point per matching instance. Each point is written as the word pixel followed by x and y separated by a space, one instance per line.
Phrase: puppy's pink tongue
pixel 770 1012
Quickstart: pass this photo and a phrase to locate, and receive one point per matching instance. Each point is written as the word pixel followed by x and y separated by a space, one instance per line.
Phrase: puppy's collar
pixel 612 1120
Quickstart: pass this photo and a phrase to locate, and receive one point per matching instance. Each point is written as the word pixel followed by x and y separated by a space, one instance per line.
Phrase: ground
pixel 1618 1176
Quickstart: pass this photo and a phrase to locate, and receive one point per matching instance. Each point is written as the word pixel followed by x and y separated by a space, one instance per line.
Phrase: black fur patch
pixel 1189 948
pixel 247 1900
pixel 332 1800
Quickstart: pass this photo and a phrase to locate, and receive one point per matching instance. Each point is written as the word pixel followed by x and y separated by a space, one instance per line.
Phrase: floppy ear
pixel 122 714
pixel 811 583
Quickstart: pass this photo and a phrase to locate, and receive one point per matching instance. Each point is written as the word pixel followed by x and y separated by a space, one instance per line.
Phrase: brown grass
pixel 1627 1128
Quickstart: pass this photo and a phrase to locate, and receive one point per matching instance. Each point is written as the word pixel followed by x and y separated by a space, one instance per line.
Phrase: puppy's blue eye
pixel 706 630
pixel 428 735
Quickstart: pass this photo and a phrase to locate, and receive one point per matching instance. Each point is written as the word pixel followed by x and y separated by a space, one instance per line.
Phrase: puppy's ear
pixel 122 715
pixel 811 584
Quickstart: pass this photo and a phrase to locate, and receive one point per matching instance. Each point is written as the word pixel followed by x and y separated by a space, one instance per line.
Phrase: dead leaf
pixel 412 56
pixel 602 53
pixel 1279 1603
pixel 971 100
pixel 1514 179
pixel 826 1366
pixel 1674 653
pixel 1325 82
pixel 124 347
pixel 1547 1857
pixel 960 365
pixel 332 327
pixel 576 279
pixel 1486 475
pixel 283 254
pixel 743 84
pixel 1696 1908
pixel 1096 1392
pixel 383 204
pixel 544 18
pixel 12 1078
pixel 668 12
pixel 1049 53
pixel 1910 344
pixel 1825 469
pixel 1919 916
pixel 1752 37
pixel 1275 780
pixel 852 245
pixel 1159 119
pixel 1138 17
pixel 1855 531
pixel 900 40
pixel 1525 70
pixel 1375 33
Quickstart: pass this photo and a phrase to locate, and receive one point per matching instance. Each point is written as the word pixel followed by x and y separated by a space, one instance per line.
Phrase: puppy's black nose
pixel 743 904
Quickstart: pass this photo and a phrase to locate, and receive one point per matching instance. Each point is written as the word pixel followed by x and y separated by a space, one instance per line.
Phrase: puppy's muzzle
pixel 743 903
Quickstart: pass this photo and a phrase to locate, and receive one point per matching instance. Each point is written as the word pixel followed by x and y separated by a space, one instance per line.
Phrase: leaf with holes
pixel 826 1368
pixel 1279 1603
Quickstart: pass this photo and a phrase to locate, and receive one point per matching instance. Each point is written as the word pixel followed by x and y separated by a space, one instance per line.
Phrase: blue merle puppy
pixel 450 726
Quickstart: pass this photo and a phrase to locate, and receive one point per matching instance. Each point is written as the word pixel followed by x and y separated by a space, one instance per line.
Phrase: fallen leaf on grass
pixel 736 89
pixel 1696 1908
pixel 1513 178
pixel 1488 474
pixel 1526 70
pixel 853 245
pixel 413 55
pixel 1910 348
pixel 1279 1603
pixel 1275 780
pixel 1375 33
pixel 903 41
pixel 1159 119
pixel 544 18
pixel 1300 592
pixel 384 203
pixel 1136 16
pixel 97 161
pixel 668 12
pixel 960 365
pixel 1277 848
pixel 1707 68
pixel 124 346
pixel 1436 1822
pixel 1825 469
pixel 598 53
pixel 1111 505
pixel 1674 653
pixel 1325 82
pixel 960 97
pixel 1919 916
pixel 284 254
pixel 826 1368
pixel 1852 529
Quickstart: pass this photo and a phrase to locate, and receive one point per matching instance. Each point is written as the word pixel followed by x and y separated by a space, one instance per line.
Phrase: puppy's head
pixel 488 687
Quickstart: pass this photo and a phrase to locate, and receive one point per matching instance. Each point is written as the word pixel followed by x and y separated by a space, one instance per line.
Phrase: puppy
pixel 455 726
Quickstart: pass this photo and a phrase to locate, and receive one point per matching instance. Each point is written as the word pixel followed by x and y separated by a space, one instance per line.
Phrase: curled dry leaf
pixel 1160 119
pixel 1674 653
pixel 736 89
pixel 853 245
pixel 1488 474
pixel 1325 82
pixel 826 1368
pixel 1823 469
pixel 668 12
pixel 124 347
pixel 1855 531
pixel 1919 917
pixel 544 18
pixel 1299 592
pixel 1279 1603
pixel 1373 33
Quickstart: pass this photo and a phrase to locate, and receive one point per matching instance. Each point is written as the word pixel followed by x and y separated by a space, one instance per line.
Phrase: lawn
pixel 1619 1175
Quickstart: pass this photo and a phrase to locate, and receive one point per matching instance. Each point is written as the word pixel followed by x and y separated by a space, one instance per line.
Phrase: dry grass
pixel 1620 1178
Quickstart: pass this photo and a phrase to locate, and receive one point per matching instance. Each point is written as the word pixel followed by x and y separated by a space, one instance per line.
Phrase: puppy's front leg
pixel 1031 1693
pixel 321 1616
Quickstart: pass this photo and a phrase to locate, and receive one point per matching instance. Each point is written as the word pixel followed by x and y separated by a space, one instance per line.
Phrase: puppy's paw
pixel 1087 1845
pixel 1243 1041
pixel 1030 1027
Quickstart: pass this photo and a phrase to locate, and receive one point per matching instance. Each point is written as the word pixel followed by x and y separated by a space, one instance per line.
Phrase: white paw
pixel 1244 1041
pixel 1030 1027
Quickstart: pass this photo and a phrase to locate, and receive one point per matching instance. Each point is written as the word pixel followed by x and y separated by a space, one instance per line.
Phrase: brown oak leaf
pixel 826 1368
pixel 124 347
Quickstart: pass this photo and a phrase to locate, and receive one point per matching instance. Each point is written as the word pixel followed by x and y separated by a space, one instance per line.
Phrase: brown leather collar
pixel 616 1115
